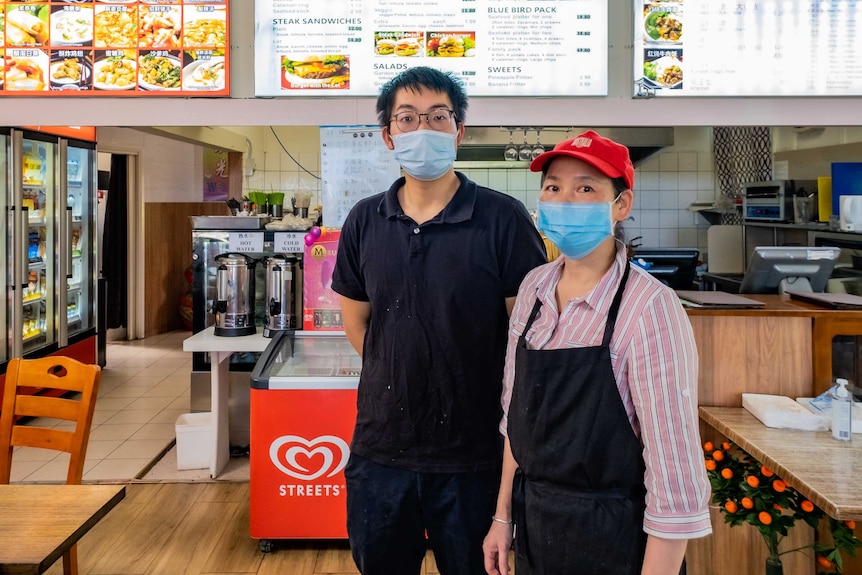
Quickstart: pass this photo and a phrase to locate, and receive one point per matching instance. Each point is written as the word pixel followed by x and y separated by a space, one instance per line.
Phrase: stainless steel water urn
pixel 281 283
pixel 234 304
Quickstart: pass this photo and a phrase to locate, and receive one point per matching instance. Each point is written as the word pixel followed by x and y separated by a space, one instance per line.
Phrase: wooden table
pixel 220 349
pixel 822 469
pixel 39 523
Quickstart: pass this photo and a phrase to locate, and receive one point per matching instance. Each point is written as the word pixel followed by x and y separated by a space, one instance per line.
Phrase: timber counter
pixel 783 348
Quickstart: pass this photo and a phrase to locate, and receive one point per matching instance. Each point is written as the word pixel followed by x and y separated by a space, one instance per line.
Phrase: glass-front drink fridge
pixel 48 191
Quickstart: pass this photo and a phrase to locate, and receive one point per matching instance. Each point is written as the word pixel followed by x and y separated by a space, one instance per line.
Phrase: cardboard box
pixel 193 440
pixel 321 306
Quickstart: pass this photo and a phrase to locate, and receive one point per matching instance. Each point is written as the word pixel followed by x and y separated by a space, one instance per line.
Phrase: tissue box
pixel 783 412
pixel 321 306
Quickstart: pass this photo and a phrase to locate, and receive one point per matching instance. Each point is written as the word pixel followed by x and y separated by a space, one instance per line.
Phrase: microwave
pixel 772 200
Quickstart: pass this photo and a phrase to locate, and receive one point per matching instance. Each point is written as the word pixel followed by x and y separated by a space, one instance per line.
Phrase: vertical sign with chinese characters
pixel 354 164
pixel 215 175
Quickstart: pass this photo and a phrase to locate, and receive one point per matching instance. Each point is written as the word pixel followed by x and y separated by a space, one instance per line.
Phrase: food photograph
pixel 205 28
pixel 116 72
pixel 662 25
pixel 451 44
pixel 70 73
pixel 158 72
pixel 408 46
pixel 26 74
pixel 72 27
pixel 384 45
pixel 116 29
pixel 160 27
pixel 27 27
pixel 315 71
pixel 204 74
pixel 664 72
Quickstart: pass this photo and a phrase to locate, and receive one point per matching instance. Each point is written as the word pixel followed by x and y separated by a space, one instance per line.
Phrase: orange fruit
pixel 766 471
pixel 779 485
pixel 777 507
pixel 765 517
pixel 752 480
pixel 747 503
pixel 727 473
pixel 850 524
pixel 806 506
pixel 726 446
pixel 731 507
pixel 824 562
pixel 710 465
pixel 718 455
pixel 708 446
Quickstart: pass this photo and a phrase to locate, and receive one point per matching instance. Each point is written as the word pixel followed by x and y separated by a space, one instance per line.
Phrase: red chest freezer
pixel 303 408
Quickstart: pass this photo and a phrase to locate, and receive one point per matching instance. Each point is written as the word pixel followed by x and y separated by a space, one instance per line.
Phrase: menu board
pixel 748 47
pixel 354 164
pixel 114 48
pixel 497 47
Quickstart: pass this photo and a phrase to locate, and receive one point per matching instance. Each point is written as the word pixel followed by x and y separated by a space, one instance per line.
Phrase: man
pixel 428 271
pixel 602 469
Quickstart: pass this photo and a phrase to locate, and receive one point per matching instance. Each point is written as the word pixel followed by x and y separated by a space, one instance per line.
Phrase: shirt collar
pixel 597 298
pixel 459 209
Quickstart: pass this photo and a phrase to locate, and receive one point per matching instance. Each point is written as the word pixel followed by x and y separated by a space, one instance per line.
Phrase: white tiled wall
pixel 665 185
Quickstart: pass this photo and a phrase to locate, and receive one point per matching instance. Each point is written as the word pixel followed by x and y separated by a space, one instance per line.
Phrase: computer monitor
pixel 797 268
pixel 675 267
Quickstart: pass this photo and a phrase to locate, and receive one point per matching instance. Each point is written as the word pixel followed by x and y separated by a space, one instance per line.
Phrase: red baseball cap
pixel 609 157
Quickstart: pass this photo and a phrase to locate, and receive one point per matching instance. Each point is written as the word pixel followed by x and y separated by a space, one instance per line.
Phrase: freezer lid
pixel 299 360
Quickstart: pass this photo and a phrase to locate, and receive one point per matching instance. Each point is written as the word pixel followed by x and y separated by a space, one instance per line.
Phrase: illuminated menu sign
pixel 497 47
pixel 114 48
pixel 748 47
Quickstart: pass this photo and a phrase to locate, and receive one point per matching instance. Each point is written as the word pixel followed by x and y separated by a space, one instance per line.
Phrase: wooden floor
pixel 191 528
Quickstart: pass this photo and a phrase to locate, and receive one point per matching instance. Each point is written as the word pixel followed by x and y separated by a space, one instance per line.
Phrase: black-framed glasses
pixel 439 119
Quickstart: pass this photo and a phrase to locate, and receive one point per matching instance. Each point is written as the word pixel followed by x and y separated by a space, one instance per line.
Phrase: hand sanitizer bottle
pixel 841 411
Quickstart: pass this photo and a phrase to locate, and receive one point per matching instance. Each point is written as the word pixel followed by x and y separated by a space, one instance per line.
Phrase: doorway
pixel 124 297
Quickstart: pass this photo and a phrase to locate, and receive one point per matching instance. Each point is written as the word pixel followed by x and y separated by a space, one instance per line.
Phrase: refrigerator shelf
pixel 32 336
pixel 31 301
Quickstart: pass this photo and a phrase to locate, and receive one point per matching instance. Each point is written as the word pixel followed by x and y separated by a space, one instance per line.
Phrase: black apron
pixel 578 497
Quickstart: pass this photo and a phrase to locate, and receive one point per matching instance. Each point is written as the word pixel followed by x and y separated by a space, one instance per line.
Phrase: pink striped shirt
pixel 654 359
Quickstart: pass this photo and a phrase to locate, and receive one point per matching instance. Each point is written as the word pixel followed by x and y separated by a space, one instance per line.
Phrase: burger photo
pixel 385 47
pixel 450 47
pixel 407 47
pixel 318 69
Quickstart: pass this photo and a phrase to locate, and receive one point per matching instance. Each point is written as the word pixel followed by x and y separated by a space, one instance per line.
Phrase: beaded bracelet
pixel 503 521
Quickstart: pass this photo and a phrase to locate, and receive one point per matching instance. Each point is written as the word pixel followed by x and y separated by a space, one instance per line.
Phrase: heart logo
pixel 334 452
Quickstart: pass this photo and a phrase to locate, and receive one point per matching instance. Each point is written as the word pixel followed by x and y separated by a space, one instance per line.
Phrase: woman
pixel 602 470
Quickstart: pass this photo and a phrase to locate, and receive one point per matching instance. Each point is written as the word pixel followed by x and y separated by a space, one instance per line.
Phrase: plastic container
pixel 193 440
pixel 841 414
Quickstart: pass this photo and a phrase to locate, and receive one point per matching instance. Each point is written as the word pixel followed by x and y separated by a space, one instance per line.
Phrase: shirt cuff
pixel 678 527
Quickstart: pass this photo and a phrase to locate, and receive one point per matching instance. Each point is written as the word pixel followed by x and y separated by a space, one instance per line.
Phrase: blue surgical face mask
pixel 425 154
pixel 577 229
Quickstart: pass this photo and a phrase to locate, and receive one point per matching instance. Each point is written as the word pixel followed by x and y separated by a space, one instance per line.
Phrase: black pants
pixel 389 512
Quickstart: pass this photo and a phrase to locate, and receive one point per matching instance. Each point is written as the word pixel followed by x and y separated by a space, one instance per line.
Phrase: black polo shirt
pixel 429 394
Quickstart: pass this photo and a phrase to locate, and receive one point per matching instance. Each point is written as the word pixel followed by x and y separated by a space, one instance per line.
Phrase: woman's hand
pixel 496 547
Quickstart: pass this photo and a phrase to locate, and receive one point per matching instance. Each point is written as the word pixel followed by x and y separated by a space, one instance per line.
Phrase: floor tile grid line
pixel 144 389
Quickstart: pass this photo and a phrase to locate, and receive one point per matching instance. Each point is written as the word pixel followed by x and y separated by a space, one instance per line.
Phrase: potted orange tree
pixel 748 492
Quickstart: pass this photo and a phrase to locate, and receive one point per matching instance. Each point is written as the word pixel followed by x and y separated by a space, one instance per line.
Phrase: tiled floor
pixel 144 388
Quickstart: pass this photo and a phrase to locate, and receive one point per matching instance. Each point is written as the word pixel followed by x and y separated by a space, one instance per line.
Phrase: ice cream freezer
pixel 303 408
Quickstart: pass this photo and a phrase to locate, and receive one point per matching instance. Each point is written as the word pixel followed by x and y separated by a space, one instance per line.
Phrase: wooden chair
pixel 64 375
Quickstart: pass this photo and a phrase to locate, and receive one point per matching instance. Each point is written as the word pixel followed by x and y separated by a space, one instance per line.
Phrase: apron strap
pixel 615 307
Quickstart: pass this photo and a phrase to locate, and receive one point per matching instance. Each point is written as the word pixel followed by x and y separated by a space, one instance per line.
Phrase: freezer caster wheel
pixel 266 545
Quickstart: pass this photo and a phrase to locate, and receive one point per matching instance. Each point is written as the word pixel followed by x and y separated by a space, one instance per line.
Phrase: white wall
pixel 172 171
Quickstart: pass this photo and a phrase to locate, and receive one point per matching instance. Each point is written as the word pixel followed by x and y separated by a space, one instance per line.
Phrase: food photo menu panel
pixel 748 47
pixel 497 47
pixel 114 48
